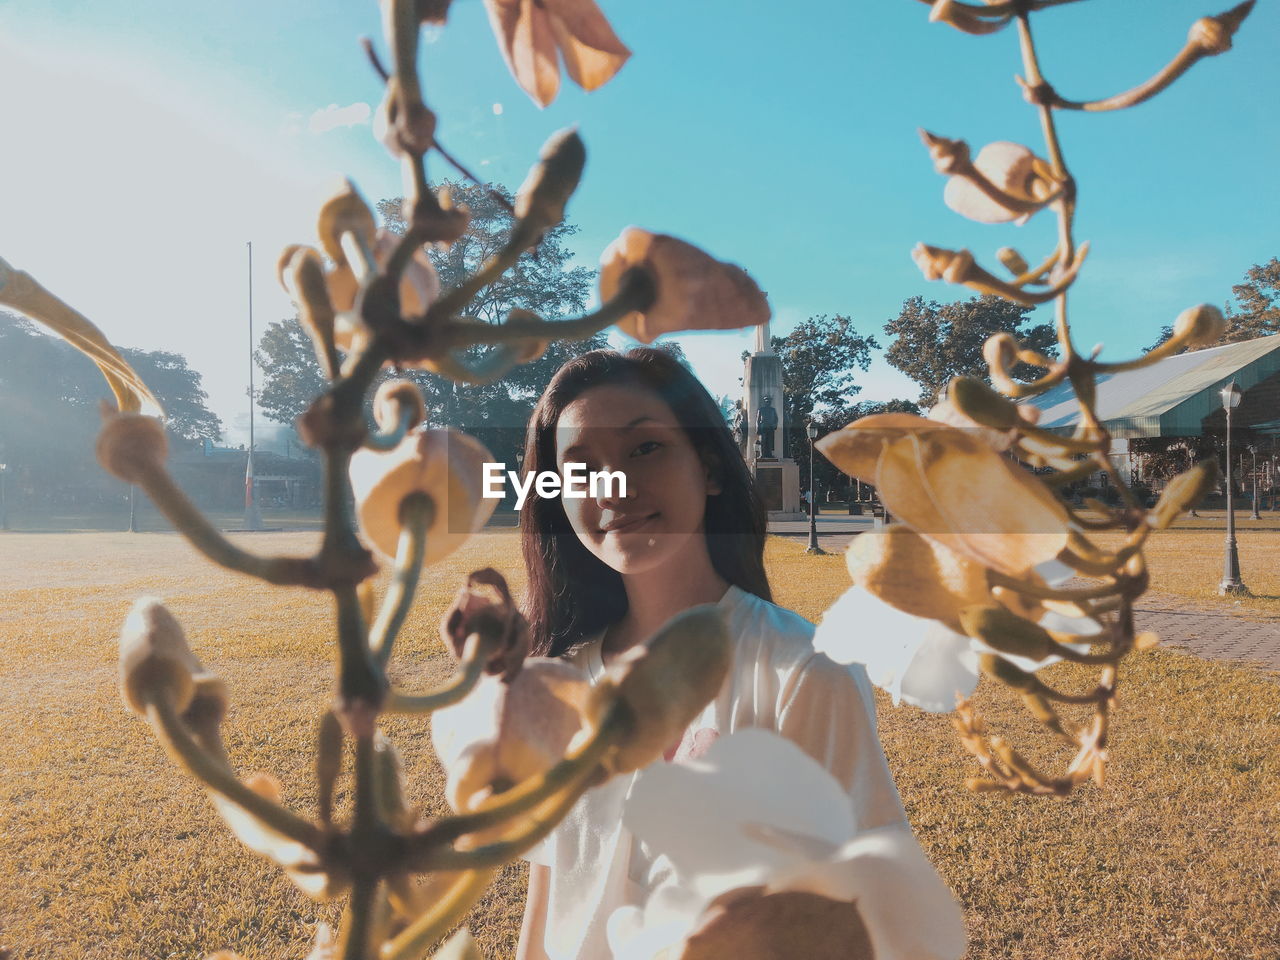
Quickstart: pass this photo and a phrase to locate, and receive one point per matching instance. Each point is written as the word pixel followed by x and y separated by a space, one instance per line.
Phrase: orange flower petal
pixel 592 51
pixel 856 448
pixel 917 575
pixel 1000 512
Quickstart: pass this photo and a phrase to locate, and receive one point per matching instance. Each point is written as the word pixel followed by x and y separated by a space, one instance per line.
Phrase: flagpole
pixel 252 519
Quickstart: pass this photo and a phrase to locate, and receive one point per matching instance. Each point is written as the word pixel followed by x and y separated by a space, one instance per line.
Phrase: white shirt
pixel 776 682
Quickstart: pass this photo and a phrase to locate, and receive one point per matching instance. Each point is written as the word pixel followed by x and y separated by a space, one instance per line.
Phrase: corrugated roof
pixel 1168 398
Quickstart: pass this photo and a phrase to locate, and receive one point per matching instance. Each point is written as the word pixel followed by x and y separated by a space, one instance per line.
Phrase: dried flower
pixel 445 465
pixel 484 605
pixel 664 683
pixel 1017 176
pixel 951 487
pixel 393 400
pixel 506 732
pixel 1200 325
pixel 344 212
pixel 534 34
pixel 131 445
pixel 694 291
pixel 419 285
pixel 155 661
pixel 731 833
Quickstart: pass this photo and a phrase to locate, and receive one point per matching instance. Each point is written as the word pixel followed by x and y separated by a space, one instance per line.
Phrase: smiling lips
pixel 626 522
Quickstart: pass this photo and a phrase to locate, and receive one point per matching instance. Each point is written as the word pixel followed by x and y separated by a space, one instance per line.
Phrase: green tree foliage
pixel 934 342
pixel 1255 311
pixel 543 281
pixel 49 396
pixel 292 373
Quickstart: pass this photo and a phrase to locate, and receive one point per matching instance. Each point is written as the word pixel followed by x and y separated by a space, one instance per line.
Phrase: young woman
pixel 605 572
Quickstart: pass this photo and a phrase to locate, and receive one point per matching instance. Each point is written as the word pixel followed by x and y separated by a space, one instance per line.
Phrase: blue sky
pixel 147 141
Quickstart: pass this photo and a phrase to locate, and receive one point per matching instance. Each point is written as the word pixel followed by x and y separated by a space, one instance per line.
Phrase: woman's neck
pixel 657 595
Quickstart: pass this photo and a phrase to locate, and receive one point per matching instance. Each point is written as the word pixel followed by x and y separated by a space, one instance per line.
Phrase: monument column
pixel 777 476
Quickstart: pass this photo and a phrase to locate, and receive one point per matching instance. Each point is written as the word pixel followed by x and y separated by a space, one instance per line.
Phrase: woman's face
pixel 631 429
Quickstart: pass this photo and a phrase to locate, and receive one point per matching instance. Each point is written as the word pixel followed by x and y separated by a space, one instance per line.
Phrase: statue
pixel 740 424
pixel 766 428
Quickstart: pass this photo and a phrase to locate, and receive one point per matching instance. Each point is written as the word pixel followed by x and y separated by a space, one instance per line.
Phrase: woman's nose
pixel 611 488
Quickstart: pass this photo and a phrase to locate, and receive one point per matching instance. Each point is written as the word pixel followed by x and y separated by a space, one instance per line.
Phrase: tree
pixel 819 359
pixel 1256 311
pixel 292 375
pixel 935 342
pixel 179 390
pixel 49 395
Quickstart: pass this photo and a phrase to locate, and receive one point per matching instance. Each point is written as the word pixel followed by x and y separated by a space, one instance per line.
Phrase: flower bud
pixel 1183 492
pixel 1006 632
pixel 1200 326
pixel 693 290
pixel 1000 351
pixel 155 661
pixel 664 683
pixel 445 465
pixel 484 606
pixel 975 400
pixel 541 199
pixel 393 399
pixel 131 445
pixel 404 126
pixel 998 668
pixel 949 156
pixel 1013 261
pixel 344 212
pixel 937 263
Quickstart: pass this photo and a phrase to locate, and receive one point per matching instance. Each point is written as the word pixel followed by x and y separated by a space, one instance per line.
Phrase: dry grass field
pixel 106 851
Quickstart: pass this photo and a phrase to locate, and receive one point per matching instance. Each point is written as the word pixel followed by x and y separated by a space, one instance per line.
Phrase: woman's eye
pixel 645 448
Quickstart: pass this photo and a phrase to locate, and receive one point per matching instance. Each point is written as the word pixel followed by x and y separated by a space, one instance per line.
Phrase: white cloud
pixel 333 116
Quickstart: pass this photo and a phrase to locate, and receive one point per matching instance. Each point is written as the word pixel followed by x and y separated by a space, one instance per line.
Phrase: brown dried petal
pixel 485 606
pixel 779 926
pixel 694 290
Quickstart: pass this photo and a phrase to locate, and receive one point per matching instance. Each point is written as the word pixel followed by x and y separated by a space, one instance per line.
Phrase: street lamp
pixel 4 504
pixel 811 430
pixel 1231 582
pixel 1253 454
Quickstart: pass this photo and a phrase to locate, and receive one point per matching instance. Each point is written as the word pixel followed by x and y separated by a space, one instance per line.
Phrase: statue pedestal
pixel 778 483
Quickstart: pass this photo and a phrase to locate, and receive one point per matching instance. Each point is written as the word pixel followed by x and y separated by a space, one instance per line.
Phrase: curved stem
pixel 463 681
pixel 390 439
pixel 550 796
pixel 186 753
pixel 187 519
pixel 358 920
pixel 416 513
pixel 444 913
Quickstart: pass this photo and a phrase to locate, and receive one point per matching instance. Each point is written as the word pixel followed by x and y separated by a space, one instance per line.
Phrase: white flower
pixel 725 827
pixel 916 659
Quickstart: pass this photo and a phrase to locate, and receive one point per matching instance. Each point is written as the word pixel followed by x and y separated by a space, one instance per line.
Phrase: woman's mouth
pixel 627 523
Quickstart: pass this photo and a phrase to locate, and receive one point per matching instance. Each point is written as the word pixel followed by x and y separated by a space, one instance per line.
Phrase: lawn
pixel 106 851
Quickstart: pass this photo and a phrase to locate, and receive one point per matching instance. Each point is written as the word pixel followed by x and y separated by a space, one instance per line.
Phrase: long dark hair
pixel 571 595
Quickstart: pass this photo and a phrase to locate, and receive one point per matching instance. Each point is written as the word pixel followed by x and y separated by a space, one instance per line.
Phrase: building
pixel 1180 397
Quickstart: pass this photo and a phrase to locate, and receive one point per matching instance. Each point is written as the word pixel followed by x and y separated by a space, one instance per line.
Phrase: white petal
pixel 909 657
pixel 671 913
pixel 945 666
pixel 707 815
pixel 909 912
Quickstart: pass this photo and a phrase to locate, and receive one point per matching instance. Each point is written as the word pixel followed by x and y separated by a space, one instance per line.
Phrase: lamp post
pixel 811 431
pixel 4 503
pixel 1253 454
pixel 1231 582
pixel 252 518
pixel 133 510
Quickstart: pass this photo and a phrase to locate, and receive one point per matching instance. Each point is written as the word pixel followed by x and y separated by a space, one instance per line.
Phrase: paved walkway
pixel 1226 632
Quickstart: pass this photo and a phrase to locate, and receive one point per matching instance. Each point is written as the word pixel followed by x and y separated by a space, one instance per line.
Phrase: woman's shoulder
pixel 778 632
